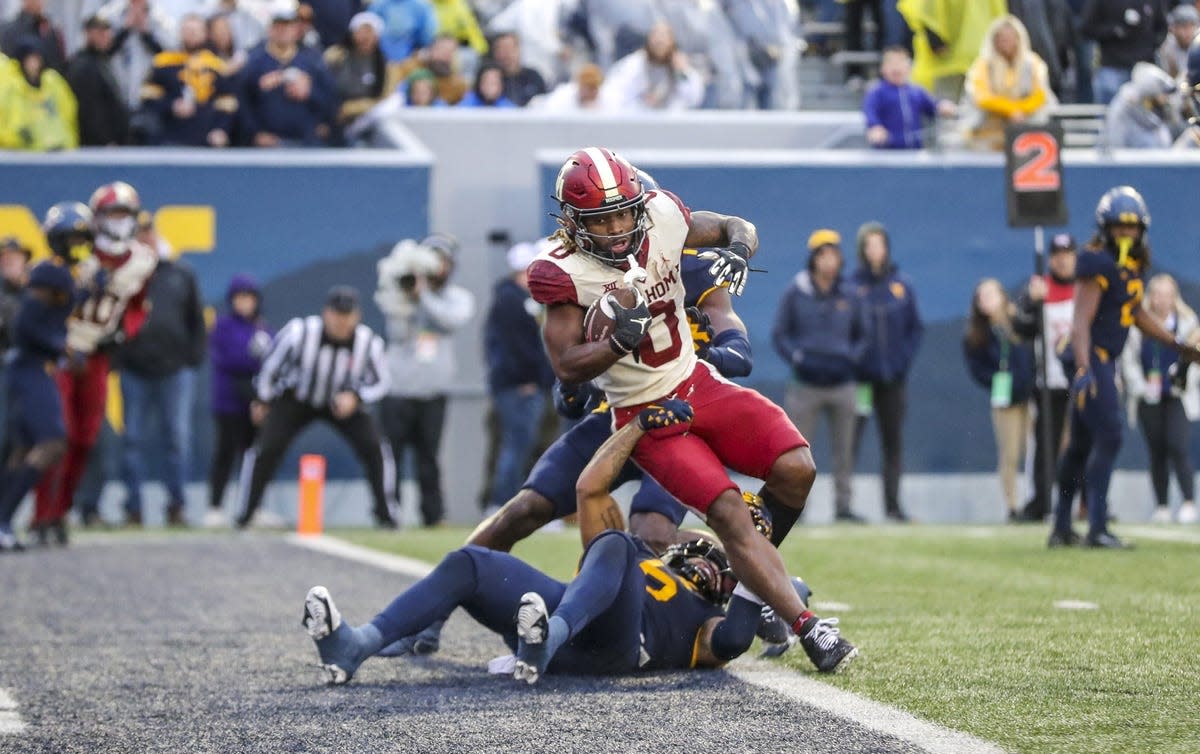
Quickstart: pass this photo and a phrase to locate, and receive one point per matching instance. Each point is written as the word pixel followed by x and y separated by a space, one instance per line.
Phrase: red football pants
pixel 84 396
pixel 734 426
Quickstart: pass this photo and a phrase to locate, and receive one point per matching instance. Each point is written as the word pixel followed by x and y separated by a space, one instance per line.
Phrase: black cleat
pixel 1062 539
pixel 1106 541
pixel 849 517
pixel 823 643
pixel 898 516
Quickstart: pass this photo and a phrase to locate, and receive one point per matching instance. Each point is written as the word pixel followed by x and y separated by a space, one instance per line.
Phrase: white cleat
pixel 1188 513
pixel 533 626
pixel 321 616
pixel 1161 515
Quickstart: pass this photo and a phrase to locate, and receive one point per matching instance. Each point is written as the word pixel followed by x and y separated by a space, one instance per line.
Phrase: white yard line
pixel 929 737
pixel 1163 534
pixel 10 720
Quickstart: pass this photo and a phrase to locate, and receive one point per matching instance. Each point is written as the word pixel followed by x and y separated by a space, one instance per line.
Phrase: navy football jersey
pixel 697 281
pixel 672 615
pixel 1122 289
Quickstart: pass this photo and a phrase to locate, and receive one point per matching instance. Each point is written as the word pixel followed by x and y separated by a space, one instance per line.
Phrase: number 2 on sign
pixel 1038 153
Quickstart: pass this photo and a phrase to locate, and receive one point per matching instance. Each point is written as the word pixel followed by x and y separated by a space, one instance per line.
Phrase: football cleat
pixel 533 627
pixel 336 642
pixel 1106 541
pixel 321 616
pixel 823 643
pixel 1066 538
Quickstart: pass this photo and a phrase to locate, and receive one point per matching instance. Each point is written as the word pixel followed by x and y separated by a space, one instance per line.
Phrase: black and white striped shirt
pixel 302 360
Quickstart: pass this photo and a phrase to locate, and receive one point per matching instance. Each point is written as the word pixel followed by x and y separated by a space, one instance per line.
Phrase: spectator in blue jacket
pixel 288 95
pixel 896 110
pixel 237 345
pixel 519 374
pixel 818 332
pixel 892 327
pixel 1001 362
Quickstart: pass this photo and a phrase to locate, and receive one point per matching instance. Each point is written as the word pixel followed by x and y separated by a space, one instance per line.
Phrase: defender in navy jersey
pixel 1110 275
pixel 627 610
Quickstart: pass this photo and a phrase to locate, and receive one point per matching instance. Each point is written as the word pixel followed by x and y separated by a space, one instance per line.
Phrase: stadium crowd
pixel 269 73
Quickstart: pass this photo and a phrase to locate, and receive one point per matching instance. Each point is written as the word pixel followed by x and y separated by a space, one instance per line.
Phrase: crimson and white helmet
pixel 115 207
pixel 594 182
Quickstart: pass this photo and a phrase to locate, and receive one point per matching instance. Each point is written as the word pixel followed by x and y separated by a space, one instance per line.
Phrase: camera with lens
pixel 408 261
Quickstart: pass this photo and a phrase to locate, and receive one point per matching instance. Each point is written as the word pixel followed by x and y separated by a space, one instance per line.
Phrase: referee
pixel 319 367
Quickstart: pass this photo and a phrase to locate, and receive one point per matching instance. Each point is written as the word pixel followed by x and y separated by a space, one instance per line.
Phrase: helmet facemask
pixel 704 565
pixel 597 245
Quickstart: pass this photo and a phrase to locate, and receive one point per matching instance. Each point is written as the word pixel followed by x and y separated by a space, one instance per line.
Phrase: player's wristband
pixel 739 248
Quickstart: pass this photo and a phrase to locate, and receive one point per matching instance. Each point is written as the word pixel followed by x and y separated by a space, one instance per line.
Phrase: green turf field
pixel 958 626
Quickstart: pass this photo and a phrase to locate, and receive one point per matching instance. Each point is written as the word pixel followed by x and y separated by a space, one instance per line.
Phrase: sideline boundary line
pixel 890 721
pixel 930 737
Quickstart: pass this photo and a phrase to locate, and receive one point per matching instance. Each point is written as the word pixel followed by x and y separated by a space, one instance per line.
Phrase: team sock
pixel 798 624
pixel 539 655
pixel 783 518
pixel 347 647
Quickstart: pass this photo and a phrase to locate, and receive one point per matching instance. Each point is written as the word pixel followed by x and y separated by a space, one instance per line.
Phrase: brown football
pixel 598 322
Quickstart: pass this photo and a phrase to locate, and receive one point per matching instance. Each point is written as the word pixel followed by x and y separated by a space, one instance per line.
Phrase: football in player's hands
pixel 620 317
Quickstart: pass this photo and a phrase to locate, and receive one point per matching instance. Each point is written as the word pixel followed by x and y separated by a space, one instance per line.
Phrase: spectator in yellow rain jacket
pixel 1007 83
pixel 37 109
pixel 946 38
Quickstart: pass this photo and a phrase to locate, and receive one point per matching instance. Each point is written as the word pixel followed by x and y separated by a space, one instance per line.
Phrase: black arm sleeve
pixel 733 636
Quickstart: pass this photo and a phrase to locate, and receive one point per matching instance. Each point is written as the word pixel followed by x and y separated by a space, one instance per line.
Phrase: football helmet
pixel 115 207
pixel 1122 205
pixel 704 565
pixel 594 182
pixel 68 229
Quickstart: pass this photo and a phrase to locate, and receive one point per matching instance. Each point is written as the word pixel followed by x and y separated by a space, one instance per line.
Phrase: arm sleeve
pixel 283 348
pixel 195 315
pixel 870 108
pixel 781 333
pixel 730 354
pixel 449 308
pixel 734 635
pixel 375 380
pixel 549 285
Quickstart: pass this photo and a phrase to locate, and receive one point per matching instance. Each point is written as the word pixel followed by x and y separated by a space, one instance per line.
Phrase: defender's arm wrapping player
pixel 627 610
pixel 613 230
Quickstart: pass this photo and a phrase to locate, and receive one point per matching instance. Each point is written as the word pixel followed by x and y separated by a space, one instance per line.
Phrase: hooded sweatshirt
pixel 891 323
pixel 237 347
pixel 818 333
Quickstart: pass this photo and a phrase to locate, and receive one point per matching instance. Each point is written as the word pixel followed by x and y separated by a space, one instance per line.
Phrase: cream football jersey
pixel 665 357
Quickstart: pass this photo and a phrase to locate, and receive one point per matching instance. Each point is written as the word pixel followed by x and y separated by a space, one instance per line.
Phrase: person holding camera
pixel 423 309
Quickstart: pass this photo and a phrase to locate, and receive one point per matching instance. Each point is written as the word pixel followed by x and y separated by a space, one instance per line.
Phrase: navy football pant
pixel 602 605
pixel 555 473
pixel 1092 452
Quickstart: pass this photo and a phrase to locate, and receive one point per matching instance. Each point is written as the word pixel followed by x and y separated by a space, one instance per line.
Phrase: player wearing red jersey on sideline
pixel 614 232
